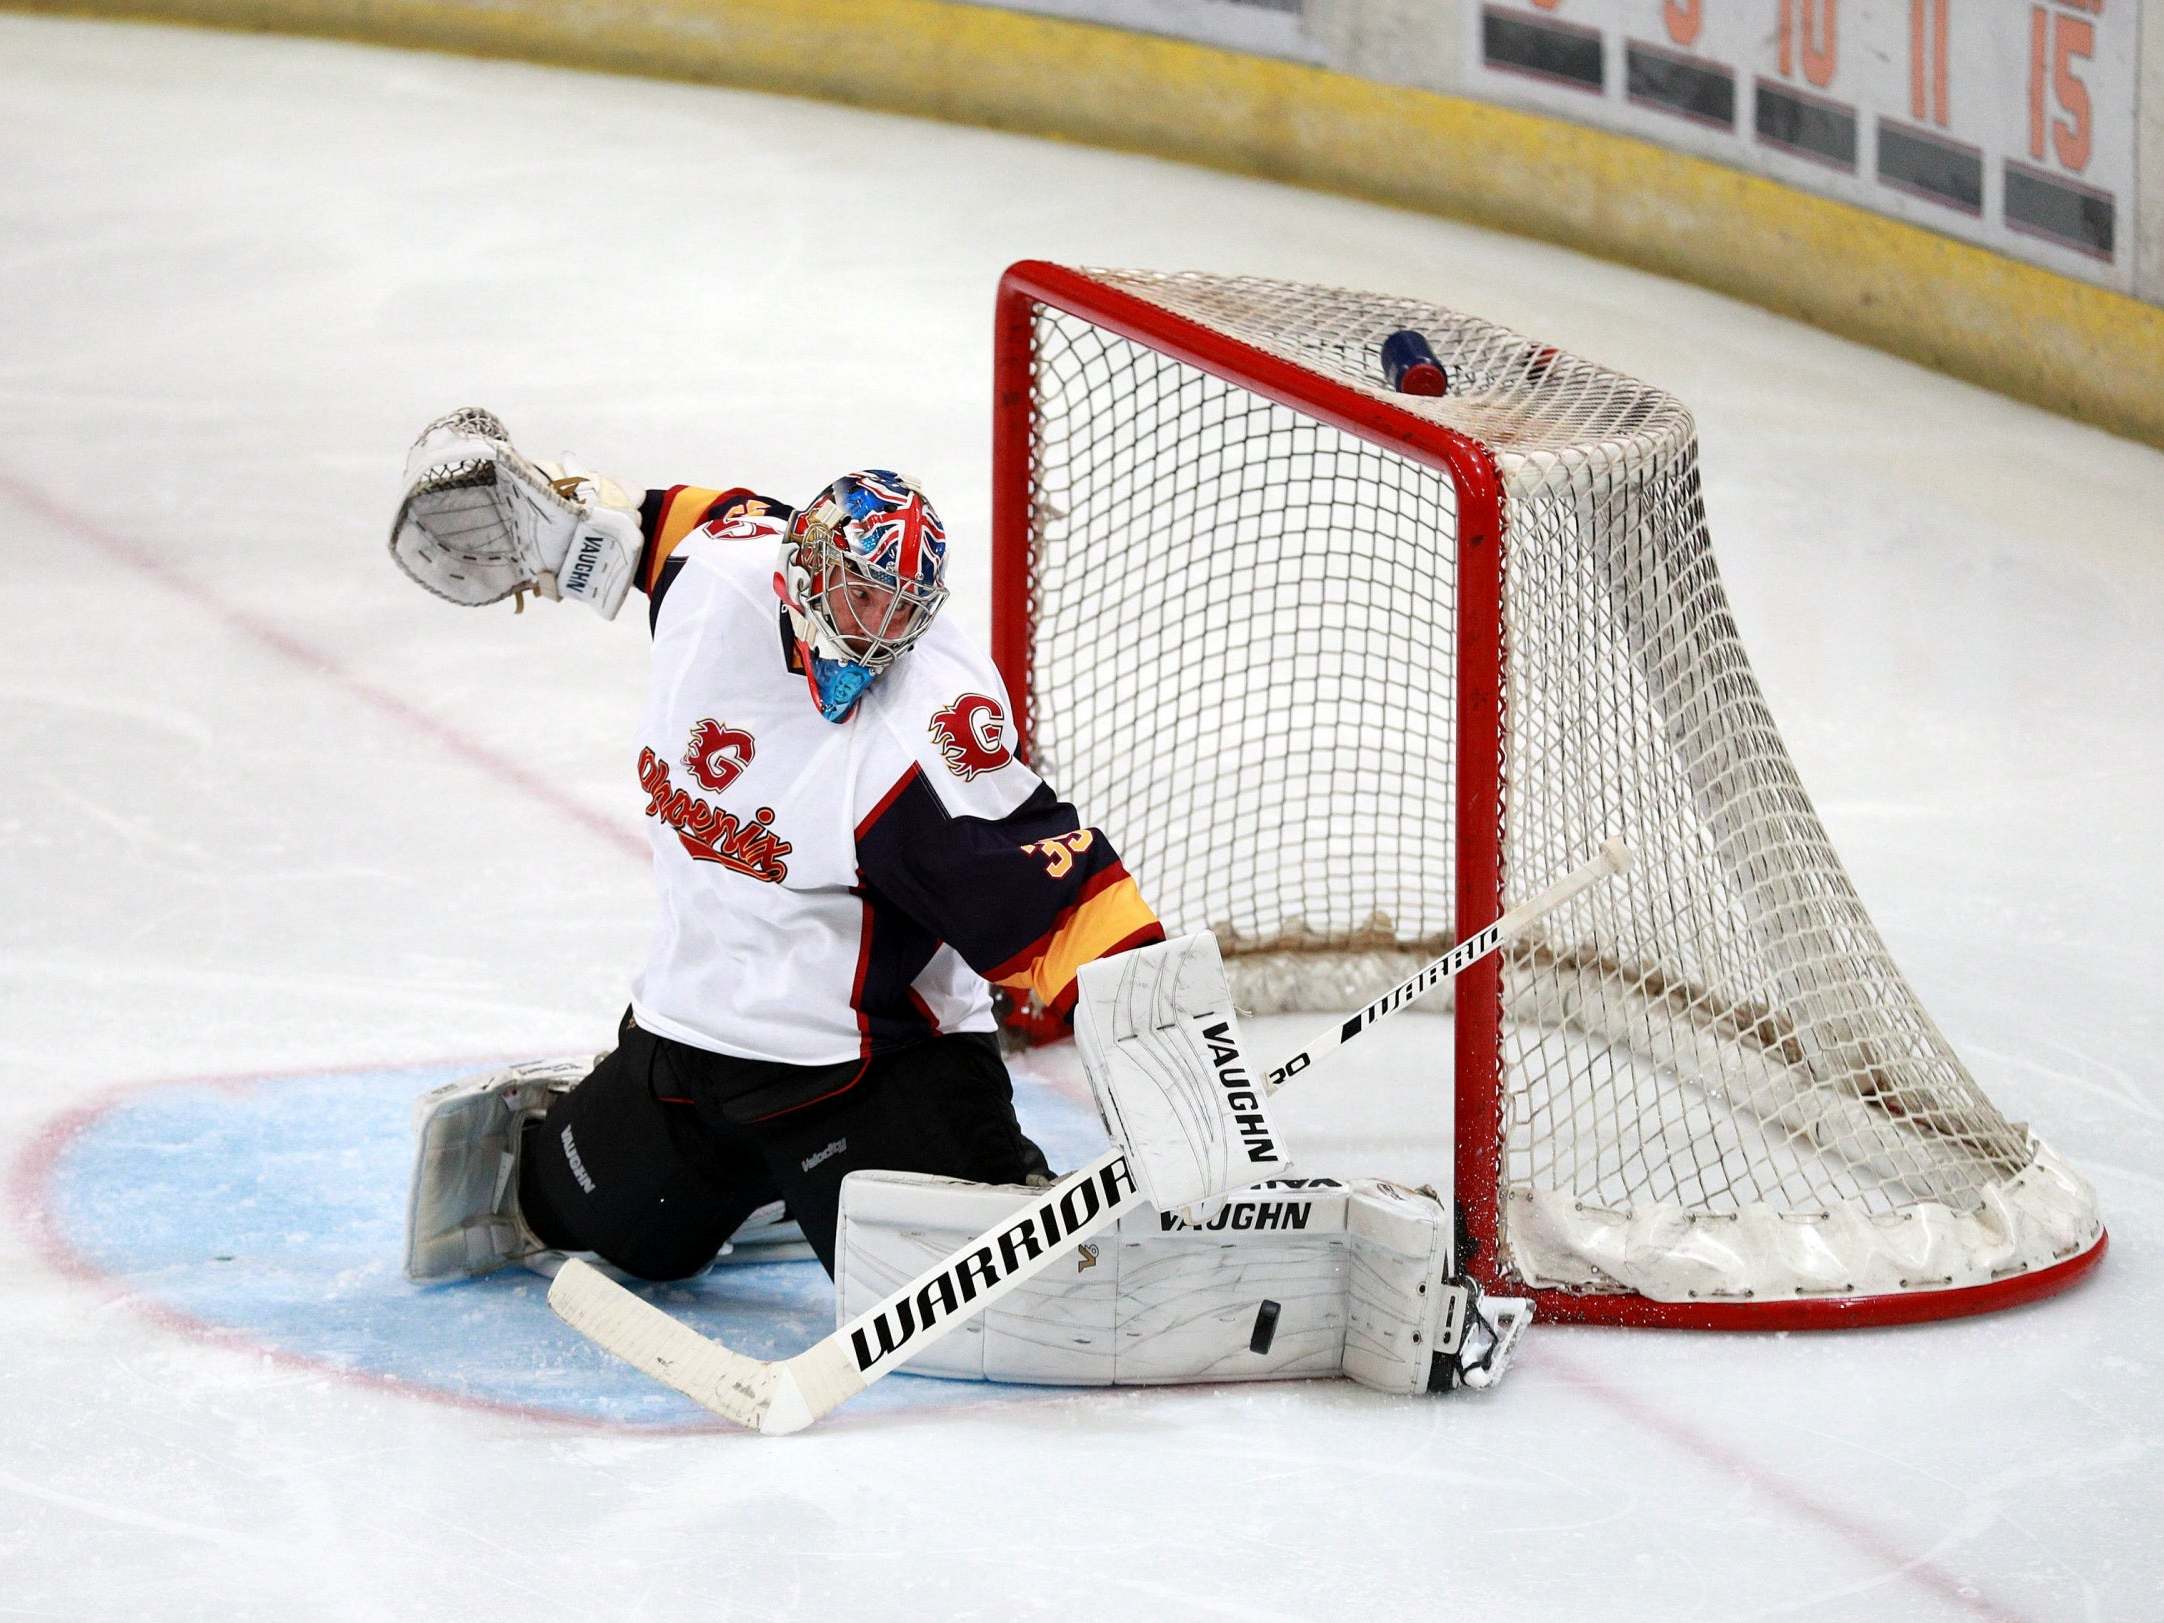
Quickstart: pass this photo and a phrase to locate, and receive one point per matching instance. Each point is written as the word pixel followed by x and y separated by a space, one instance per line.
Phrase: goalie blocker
pixel 1302 1277
pixel 1161 1047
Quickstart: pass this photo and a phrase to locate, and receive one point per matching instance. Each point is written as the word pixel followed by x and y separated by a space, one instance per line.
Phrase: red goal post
pixel 1479 901
pixel 1187 464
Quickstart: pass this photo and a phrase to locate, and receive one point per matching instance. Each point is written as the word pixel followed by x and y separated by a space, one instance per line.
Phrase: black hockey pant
pixel 639 1163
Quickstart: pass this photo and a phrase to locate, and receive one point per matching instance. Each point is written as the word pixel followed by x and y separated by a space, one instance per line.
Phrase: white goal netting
pixel 1246 663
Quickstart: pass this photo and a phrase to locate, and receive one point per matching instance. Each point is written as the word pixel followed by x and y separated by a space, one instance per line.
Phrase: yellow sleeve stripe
pixel 1113 917
pixel 681 512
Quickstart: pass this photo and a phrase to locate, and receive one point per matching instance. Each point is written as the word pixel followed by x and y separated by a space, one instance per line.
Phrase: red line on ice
pixel 1859 1535
pixel 316 662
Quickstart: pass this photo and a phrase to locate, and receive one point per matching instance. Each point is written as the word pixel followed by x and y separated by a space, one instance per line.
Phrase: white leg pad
pixel 1300 1277
pixel 1395 1300
pixel 462 1208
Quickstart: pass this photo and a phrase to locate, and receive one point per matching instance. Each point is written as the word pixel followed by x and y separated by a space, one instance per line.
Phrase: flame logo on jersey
pixel 967 733
pixel 718 754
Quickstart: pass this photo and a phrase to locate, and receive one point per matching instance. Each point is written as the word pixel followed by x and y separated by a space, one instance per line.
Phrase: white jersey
pixel 828 891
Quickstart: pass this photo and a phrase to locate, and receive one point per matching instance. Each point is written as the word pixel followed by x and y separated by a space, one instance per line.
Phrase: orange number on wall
pixel 1818 42
pixel 1684 19
pixel 1927 61
pixel 2072 137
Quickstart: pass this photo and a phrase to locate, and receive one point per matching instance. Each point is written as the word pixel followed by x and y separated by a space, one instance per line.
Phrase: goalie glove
pixel 480 522
pixel 1161 1046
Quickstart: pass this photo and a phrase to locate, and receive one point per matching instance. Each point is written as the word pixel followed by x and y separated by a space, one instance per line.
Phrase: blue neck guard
pixel 840 685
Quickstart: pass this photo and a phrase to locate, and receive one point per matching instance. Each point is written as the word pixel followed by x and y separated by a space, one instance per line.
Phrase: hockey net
pixel 1345 672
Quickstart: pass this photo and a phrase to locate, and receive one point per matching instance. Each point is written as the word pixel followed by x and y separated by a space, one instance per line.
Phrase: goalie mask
pixel 862 574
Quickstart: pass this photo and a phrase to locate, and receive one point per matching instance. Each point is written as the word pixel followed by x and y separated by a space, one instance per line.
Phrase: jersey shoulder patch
pixel 972 735
pixel 947 709
pixel 742 526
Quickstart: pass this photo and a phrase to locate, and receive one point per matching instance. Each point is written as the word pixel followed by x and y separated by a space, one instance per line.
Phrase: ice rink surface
pixel 285 839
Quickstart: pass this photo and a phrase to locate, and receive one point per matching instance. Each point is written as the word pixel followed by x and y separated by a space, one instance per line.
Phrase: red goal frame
pixel 1478 773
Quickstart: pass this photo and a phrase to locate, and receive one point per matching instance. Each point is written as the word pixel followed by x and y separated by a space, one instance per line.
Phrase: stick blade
pixel 728 1383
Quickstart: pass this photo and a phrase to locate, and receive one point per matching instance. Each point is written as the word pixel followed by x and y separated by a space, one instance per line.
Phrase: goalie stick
pixel 785 1395
pixel 1614 856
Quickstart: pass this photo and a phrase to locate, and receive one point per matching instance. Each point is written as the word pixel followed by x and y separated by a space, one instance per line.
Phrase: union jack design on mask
pixel 897 535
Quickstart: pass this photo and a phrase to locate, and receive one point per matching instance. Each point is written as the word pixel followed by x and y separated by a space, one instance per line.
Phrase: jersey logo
pixel 718 754
pixel 750 527
pixel 967 733
pixel 709 834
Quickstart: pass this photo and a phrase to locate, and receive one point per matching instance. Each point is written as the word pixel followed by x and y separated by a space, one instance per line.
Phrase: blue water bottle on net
pixel 1410 363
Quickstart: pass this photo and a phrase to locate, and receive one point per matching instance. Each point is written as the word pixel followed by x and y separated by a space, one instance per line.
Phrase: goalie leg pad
pixel 462 1214
pixel 1478 1336
pixel 1293 1278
